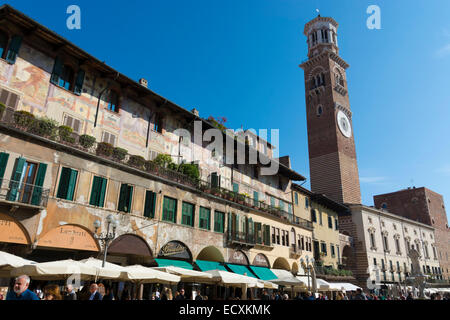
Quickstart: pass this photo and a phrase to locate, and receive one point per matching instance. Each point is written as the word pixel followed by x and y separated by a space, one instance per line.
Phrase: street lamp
pixel 107 236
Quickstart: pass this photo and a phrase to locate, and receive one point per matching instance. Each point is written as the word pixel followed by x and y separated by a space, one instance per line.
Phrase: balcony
pixel 18 194
pixel 294 252
pixel 241 240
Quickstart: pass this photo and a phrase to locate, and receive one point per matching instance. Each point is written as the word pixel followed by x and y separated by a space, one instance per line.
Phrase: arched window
pixel 339 79
pixel 3 43
pixel 113 101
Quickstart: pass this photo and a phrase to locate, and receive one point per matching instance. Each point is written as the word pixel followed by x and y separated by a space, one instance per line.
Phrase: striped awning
pixel 263 273
pixel 210 265
pixel 240 269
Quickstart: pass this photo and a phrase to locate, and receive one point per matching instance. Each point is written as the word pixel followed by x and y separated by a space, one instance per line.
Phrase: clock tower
pixel 331 144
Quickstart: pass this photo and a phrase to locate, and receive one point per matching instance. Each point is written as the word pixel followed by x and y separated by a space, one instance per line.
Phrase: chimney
pixel 286 161
pixel 195 111
pixel 143 82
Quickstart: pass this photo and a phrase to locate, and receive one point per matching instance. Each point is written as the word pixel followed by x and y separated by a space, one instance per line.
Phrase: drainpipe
pixel 100 96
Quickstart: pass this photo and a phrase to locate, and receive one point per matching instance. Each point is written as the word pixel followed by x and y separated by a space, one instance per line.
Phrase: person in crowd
pixel 52 292
pixel 20 290
pixel 109 295
pixel 167 294
pixel 69 293
pixel 125 295
pixel 285 296
pixel 339 296
pixel 181 296
pixel 95 295
pixel 199 296
pixel 360 295
pixel 438 296
pixel 264 295
pixel 410 296
pixel 311 296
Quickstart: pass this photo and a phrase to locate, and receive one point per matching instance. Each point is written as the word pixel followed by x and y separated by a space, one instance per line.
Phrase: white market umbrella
pixel 109 271
pixel 186 275
pixel 268 284
pixel 285 278
pixel 234 279
pixel 9 261
pixel 56 270
pixel 140 274
pixel 322 285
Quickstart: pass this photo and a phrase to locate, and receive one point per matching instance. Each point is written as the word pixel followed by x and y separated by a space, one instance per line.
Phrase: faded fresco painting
pixel 133 124
pixel 33 82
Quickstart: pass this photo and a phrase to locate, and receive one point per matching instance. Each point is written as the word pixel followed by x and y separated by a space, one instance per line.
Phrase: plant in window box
pixel 150 166
pixel 23 119
pixel 44 127
pixel 241 198
pixel 65 134
pixel 86 141
pixel 119 153
pixel 136 161
pixel 104 149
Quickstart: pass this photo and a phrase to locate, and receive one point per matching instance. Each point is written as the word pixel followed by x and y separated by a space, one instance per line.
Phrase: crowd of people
pixel 94 291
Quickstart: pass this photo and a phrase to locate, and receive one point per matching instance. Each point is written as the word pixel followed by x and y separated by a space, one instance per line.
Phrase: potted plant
pixel 104 149
pixel 86 141
pixel 65 134
pixel 119 153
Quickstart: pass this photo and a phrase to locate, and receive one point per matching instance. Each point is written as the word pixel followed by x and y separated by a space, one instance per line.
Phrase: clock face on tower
pixel 344 124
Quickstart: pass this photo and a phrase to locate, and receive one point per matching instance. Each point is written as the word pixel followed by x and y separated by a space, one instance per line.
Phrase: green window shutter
pixel 64 183
pixel 230 222
pixel 214 180
pixel 15 179
pixel 95 192
pixel 3 162
pixel 255 198
pixel 129 201
pixel 267 235
pixel 235 187
pixel 272 201
pixel 149 207
pixel 219 221
pixel 166 209
pixel 79 82
pixel 14 48
pixel 72 184
pixel 187 215
pixel 57 71
pixel 39 182
pixel 122 197
pixel 251 231
pixel 101 200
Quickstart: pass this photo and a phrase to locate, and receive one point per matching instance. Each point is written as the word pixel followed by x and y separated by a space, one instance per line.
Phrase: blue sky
pixel 239 60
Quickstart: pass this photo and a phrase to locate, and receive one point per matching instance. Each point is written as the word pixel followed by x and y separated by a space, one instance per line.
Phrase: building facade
pixel 425 206
pixel 79 141
pixel 382 242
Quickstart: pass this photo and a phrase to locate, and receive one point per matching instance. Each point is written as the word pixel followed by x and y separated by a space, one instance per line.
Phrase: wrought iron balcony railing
pixel 17 192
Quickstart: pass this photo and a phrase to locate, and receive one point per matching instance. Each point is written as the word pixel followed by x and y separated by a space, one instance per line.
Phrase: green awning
pixel 174 263
pixel 264 273
pixel 209 265
pixel 239 269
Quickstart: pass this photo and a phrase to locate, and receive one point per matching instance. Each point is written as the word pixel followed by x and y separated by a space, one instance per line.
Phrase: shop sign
pixel 238 257
pixel 11 231
pixel 175 249
pixel 261 261
pixel 69 237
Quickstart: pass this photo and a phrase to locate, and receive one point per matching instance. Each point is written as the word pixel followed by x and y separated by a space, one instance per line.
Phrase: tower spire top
pixel 318 12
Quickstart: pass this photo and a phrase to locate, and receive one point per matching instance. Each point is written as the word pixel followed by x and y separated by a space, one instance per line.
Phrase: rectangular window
pixel 332 251
pixel 255 198
pixel 320 218
pixel 272 201
pixel 313 215
pixel 287 238
pixel 372 240
pixel 296 198
pixel 219 221
pixel 75 124
pixel 374 261
pixel 67 182
pixel 125 198
pixel 306 203
pixel 273 235
pixel 169 209
pixel 302 242
pixel 324 248
pixel 330 222
pixel 236 187
pixel 278 236
pixel 266 236
pixel 289 208
pixel 204 218
pixel 187 214
pixel 8 98
pixel 283 237
pixel 282 205
pixel 150 203
pixel 336 225
pixel 109 138
pixel 98 192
